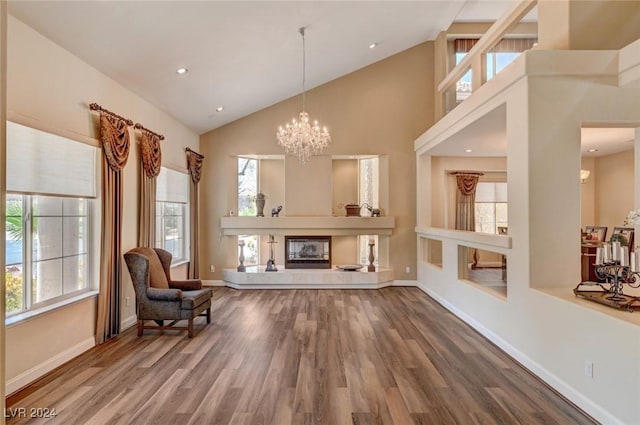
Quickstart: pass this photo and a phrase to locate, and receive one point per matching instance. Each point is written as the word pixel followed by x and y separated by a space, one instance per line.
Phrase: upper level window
pixel 491 207
pixel 49 218
pixel 172 226
pixel 498 57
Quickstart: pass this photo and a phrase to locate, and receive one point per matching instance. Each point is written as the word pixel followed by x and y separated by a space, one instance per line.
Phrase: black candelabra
pixel 613 277
pixel 616 276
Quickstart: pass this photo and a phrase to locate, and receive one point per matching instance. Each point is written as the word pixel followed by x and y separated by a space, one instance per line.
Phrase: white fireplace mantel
pixel 311 226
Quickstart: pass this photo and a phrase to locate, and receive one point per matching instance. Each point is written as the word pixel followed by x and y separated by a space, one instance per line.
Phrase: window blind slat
pixel 44 163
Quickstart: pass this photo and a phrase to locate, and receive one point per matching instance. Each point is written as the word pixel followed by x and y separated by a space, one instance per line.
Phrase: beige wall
pixel 603 24
pixel 614 196
pixel 380 109
pixel 308 186
pixel 587 193
pixel 345 184
pixel 50 89
pixel 588 24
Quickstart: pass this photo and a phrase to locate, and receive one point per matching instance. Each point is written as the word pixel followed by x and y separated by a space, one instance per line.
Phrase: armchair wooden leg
pixel 140 324
pixel 190 328
pixel 209 315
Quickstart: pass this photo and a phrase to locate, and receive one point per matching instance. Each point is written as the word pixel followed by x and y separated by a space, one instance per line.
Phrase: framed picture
pixel 624 235
pixel 503 230
pixel 595 233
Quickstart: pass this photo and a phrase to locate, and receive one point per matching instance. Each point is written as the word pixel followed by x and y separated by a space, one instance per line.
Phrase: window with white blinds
pixel 172 218
pixel 49 249
pixel 47 164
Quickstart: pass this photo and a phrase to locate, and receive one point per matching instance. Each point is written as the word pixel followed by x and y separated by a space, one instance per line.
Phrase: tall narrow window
pixel 172 220
pixel 368 193
pixel 491 207
pixel 248 187
pixel 368 181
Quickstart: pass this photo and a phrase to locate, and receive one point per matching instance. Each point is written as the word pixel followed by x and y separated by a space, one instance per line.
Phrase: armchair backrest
pixel 148 267
pixel 158 274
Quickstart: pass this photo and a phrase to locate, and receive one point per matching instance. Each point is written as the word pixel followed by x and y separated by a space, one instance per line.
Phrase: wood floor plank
pixel 298 357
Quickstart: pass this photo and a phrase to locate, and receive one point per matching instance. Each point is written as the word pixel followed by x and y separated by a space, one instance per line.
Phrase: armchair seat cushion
pixel 192 299
pixel 164 294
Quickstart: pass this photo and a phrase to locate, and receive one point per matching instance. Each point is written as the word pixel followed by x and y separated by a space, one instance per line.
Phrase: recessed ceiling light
pixel 592 150
pixel 181 71
pixel 219 108
pixel 373 45
pixel 468 150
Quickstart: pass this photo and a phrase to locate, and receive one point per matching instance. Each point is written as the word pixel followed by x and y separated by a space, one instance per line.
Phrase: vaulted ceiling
pixel 240 55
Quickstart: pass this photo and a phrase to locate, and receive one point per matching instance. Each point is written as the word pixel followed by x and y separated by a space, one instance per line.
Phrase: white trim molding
pixel 28 376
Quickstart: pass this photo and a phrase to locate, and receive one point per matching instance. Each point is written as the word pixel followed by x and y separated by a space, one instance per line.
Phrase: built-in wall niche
pixel 487 269
pixel 491 202
pixel 361 180
pixel 607 154
pixel 431 250
pixel 258 174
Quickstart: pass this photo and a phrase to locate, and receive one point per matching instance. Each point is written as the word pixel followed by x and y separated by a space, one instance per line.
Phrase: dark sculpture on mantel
pixel 275 212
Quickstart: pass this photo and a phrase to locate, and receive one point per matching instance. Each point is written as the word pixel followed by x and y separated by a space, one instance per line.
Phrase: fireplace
pixel 307 252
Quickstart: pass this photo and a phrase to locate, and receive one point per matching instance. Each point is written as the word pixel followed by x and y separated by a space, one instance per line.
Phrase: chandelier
pixel 299 137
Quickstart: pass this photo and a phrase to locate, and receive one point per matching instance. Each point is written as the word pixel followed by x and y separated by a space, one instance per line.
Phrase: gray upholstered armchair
pixel 160 298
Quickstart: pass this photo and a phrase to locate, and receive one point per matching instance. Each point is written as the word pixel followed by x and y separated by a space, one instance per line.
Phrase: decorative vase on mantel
pixel 260 201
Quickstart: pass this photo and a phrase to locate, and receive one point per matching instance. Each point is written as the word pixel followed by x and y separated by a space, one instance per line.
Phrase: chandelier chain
pixel 301 137
pixel 304 68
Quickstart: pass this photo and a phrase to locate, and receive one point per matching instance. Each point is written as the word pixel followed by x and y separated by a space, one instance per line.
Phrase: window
pixel 368 181
pixel 49 218
pixel 47 249
pixel 247 186
pixel 491 207
pixel 501 55
pixel 172 228
pixel 247 191
pixel 368 192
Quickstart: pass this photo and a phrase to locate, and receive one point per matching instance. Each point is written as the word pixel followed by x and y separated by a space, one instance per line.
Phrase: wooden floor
pixel 390 356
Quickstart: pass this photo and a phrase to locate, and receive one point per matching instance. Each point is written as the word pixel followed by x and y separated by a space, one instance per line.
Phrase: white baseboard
pixel 404 283
pixel 213 283
pixel 128 322
pixel 27 377
pixel 576 397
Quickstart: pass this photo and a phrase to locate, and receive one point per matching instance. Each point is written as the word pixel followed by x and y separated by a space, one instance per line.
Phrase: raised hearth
pixel 257 278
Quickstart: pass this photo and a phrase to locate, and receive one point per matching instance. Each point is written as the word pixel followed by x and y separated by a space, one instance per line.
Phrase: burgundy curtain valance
pixel 194 163
pixel 467 181
pixel 151 153
pixel 114 136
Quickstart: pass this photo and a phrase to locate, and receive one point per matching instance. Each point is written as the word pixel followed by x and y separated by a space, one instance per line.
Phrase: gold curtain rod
pixel 194 152
pixel 96 107
pixel 139 126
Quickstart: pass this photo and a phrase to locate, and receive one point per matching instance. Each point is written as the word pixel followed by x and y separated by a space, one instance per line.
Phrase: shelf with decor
pixel 308 225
